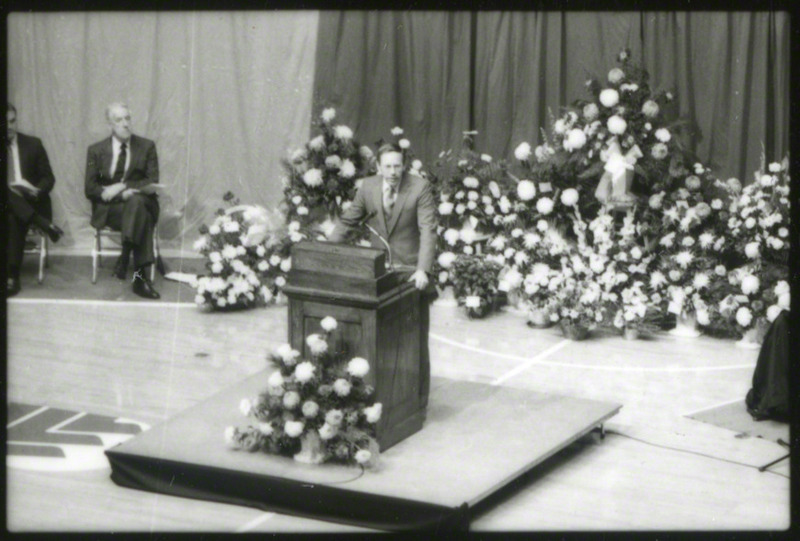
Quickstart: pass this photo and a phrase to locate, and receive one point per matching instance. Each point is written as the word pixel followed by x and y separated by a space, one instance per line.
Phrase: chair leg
pixel 42 258
pixel 95 256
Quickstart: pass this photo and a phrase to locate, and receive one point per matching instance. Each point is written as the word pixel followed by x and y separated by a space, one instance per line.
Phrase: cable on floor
pixel 607 431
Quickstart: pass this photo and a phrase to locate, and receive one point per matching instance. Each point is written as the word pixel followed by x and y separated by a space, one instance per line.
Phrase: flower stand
pixel 311 449
pixel 749 339
pixel 629 333
pixel 686 327
pixel 446 297
pixel 574 332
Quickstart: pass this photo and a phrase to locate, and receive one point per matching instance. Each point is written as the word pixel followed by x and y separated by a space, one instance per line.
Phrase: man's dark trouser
pixel 135 219
pixel 21 214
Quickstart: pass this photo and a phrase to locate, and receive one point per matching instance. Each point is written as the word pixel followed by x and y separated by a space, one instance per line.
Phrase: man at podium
pixel 400 212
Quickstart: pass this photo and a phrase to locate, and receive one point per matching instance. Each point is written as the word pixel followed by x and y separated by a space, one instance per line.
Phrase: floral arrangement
pixel 475 281
pixel 316 410
pixel 755 298
pixel 247 256
pixel 472 206
pixel 322 176
pixel 621 141
pixel 759 216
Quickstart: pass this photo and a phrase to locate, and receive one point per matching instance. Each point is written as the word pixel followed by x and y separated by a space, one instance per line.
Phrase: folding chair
pixel 98 251
pixel 36 242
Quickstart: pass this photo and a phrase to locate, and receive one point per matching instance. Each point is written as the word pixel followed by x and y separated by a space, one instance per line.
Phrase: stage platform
pixel 476 440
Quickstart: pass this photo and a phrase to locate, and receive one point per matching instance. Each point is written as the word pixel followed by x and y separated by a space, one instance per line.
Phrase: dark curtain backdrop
pixel 387 69
pixel 225 95
pixel 504 71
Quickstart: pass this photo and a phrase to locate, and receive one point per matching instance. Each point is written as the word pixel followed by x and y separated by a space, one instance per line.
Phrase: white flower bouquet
pixel 318 408
pixel 247 256
pixel 475 284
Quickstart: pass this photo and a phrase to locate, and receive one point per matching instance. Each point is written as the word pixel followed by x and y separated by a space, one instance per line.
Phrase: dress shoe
pixel 120 268
pixel 144 287
pixel 12 287
pixel 54 232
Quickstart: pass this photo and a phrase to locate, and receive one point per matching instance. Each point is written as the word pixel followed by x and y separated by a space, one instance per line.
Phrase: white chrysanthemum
pixel 471 182
pixel 312 177
pixel 773 312
pixel 293 429
pixel 342 387
pixel 472 301
pixel 544 205
pixel 659 151
pixel 304 372
pixel 334 417
pixel 526 190
pixel 616 125
pixel 615 75
pixel 348 169
pixel 328 114
pixel 744 316
pixel 560 126
pixel 542 225
pixel 446 259
pixel 467 235
pixel 486 158
pixel 397 130
pixel 327 431
pixel 752 250
pixel 404 143
pixel 523 151
pixel 287 354
pixel 363 456
pixel 590 112
pixel 701 280
pixel 445 208
pixel 246 407
pixel 317 143
pixel 310 409
pixel 416 165
pixel 343 132
pixel 291 400
pixel 650 108
pixel 286 264
pixel 663 135
pixel 373 413
pixel 451 236
pixel 265 428
pixel 609 97
pixel 333 161
pixel 657 279
pixel 575 139
pixel 569 197
pixel 358 367
pixel 329 323
pixel 750 284
pixel 201 243
pixel 316 344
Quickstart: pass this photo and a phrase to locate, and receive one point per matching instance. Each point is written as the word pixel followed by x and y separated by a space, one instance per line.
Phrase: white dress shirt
pixel 13 152
pixel 116 147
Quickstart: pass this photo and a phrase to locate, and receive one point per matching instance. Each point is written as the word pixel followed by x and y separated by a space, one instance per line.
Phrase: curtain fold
pixel 225 95
pixel 386 69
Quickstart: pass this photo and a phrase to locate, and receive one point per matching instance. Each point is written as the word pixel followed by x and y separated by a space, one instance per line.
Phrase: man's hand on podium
pixel 420 279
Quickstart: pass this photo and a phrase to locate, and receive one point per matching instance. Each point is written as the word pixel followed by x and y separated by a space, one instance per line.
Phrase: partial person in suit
pixel 401 208
pixel 30 180
pixel 121 172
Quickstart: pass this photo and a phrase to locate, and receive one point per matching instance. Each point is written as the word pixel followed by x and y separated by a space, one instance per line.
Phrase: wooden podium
pixel 379 319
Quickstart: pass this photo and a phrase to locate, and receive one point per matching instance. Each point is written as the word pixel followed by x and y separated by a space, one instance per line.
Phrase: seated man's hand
pixel 420 279
pixel 128 193
pixel 26 188
pixel 111 191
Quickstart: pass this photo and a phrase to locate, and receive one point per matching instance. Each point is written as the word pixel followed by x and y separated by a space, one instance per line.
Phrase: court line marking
pixel 539 361
pixel 84 302
pixel 24 418
pixel 526 365
pixel 255 522
pixel 715 406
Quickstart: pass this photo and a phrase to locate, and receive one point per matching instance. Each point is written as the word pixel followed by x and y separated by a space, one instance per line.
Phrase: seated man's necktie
pixel 119 170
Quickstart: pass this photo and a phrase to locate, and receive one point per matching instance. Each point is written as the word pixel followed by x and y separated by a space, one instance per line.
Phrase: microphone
pixel 363 222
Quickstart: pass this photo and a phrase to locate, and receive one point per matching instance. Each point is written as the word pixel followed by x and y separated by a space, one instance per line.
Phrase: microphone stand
pixel 383 240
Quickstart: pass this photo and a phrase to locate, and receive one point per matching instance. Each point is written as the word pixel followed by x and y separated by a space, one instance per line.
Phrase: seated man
pixel 400 207
pixel 120 174
pixel 30 180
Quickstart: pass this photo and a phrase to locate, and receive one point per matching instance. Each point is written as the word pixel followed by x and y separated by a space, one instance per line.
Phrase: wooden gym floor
pixel 656 469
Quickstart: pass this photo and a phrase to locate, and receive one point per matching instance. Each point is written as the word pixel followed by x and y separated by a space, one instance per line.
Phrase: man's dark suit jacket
pixel 411 231
pixel 35 168
pixel 143 170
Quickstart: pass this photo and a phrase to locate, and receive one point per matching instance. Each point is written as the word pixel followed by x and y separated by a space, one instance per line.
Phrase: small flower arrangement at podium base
pixel 315 410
